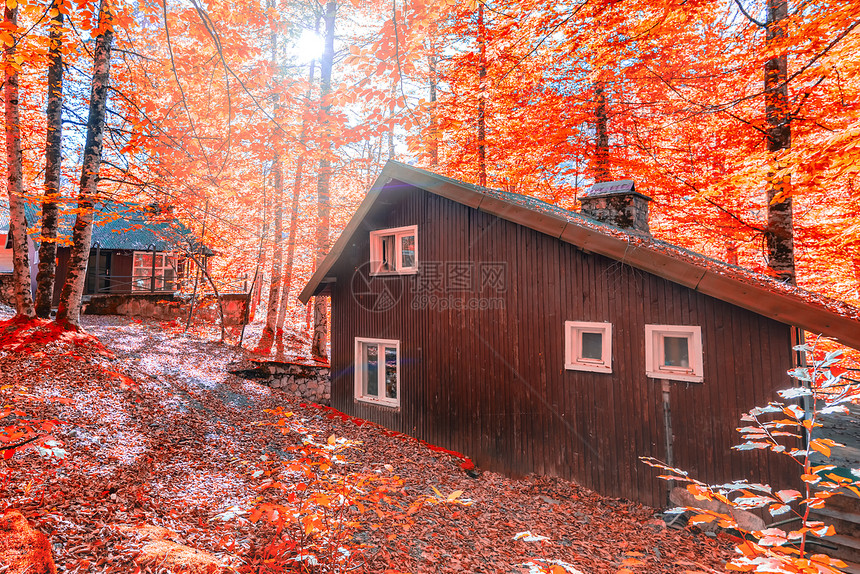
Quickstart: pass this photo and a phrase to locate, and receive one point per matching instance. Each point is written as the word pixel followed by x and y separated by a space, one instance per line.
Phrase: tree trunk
pixel 197 270
pixel 69 310
pixel 262 259
pixel 482 98
pixel 15 180
pixel 601 151
pixel 268 335
pixel 294 217
pixel 434 128
pixel 779 234
pixel 320 337
pixel 53 161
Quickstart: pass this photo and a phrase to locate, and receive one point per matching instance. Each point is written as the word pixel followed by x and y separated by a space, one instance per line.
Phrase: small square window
pixel 394 251
pixel 377 371
pixel 674 352
pixel 588 346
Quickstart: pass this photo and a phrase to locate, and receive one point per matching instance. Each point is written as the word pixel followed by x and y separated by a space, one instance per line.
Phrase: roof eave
pixel 779 306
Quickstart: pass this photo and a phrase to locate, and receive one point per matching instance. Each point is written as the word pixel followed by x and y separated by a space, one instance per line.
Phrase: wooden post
pixel 98 256
pixel 152 277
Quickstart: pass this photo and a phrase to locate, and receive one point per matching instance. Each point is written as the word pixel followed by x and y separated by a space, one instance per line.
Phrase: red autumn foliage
pixel 23 550
pixel 161 436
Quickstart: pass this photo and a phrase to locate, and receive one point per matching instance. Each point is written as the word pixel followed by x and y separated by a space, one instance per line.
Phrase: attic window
pixel 674 352
pixel 588 346
pixel 377 371
pixel 394 251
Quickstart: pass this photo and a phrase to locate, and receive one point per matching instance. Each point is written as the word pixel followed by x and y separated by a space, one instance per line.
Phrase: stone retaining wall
pixel 167 306
pixel 309 382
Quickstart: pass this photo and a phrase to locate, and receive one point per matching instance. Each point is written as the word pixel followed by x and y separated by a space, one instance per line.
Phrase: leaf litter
pixel 160 438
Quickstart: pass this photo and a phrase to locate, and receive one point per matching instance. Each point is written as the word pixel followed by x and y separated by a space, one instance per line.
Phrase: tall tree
pixel 69 309
pixel 15 173
pixel 53 161
pixel 780 232
pixel 320 335
pixel 601 131
pixel 277 173
pixel 294 212
pixel 482 97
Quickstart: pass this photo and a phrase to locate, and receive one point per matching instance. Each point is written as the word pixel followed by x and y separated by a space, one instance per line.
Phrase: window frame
pixel 655 349
pixel 168 259
pixel 573 331
pixel 376 250
pixel 359 383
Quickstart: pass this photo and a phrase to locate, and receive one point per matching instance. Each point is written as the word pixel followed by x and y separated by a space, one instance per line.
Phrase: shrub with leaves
pixel 783 428
pixel 314 502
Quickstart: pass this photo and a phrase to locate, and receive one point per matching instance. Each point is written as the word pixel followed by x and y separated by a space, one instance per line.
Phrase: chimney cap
pixel 609 188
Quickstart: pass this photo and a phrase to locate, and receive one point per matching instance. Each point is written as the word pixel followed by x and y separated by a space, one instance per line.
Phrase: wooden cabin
pixel 7 290
pixel 536 339
pixel 136 249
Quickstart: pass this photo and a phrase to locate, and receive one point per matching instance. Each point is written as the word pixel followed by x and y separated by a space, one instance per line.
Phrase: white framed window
pixel 377 371
pixel 394 251
pixel 588 346
pixel 166 274
pixel 674 352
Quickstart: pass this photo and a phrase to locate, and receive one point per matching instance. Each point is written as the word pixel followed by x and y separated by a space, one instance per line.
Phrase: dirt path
pixel 162 435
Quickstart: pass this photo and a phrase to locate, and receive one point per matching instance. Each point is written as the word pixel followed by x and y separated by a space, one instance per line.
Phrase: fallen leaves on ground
pixel 162 446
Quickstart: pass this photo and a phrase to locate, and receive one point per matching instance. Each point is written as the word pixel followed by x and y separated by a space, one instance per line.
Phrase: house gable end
pixel 732 284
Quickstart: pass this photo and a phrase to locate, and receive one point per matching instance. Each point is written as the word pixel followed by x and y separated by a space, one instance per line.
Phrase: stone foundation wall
pixel 166 306
pixel 309 382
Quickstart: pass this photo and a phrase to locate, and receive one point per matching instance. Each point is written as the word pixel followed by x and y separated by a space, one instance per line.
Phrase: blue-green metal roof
pixel 120 226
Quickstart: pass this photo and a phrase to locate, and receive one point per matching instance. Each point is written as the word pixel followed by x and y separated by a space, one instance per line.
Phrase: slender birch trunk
pixel 779 234
pixel 53 161
pixel 482 99
pixel 15 178
pixel 320 337
pixel 268 335
pixel 254 297
pixel 601 147
pixel 294 217
pixel 434 128
pixel 69 311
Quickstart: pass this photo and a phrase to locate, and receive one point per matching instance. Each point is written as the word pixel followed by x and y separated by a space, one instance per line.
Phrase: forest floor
pixel 158 434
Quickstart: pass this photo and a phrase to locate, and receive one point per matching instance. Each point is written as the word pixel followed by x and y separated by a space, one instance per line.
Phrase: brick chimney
pixel 617 203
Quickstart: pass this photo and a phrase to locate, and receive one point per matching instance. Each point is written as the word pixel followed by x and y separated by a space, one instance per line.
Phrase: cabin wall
pixel 6 265
pixel 487 379
pixel 122 266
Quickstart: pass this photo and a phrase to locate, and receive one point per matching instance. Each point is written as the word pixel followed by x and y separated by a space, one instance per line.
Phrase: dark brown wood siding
pixel 490 381
pixel 122 264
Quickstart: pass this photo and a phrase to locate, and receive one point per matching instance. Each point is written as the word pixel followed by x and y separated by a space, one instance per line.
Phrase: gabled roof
pixel 742 287
pixel 126 226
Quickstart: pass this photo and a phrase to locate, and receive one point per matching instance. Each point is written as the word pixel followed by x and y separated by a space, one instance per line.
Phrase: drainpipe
pixel 667 428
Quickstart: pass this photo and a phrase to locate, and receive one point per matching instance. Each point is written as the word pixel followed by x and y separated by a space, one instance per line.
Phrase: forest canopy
pixel 260 125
